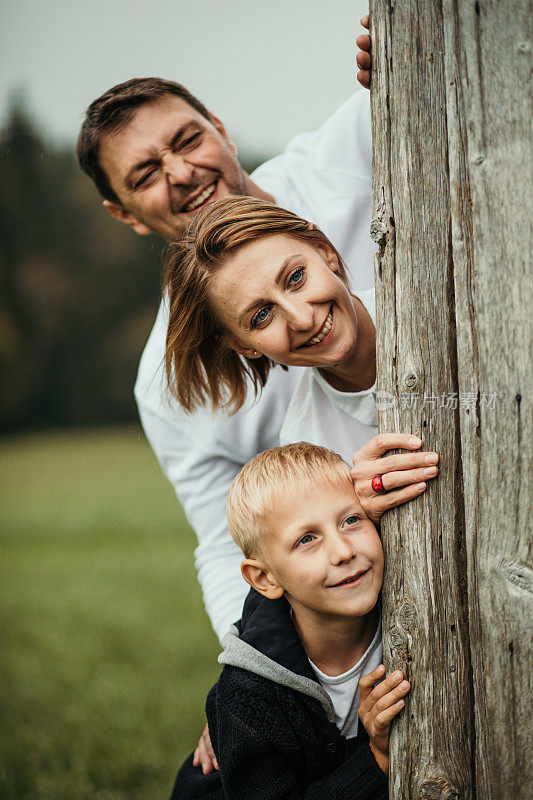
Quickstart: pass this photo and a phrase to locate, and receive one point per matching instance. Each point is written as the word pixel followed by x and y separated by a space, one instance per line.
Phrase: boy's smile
pixel 324 552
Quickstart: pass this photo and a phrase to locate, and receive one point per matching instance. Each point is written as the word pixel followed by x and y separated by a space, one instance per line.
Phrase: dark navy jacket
pixel 272 724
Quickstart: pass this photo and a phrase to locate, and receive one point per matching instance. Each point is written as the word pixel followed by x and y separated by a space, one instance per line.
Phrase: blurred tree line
pixel 78 291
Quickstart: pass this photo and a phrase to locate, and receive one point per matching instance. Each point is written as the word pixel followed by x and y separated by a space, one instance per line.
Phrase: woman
pixel 251 286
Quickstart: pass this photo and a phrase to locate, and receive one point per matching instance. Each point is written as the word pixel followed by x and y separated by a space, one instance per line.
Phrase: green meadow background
pixel 106 652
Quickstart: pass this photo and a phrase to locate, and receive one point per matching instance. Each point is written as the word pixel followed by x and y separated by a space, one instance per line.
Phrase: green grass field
pixel 106 652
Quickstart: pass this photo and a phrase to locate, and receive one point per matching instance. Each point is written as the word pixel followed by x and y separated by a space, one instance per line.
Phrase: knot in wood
pixel 410 380
pixel 437 789
pixel 406 616
pixel 519 575
pixel 479 159
pixel 378 232
pixel 397 639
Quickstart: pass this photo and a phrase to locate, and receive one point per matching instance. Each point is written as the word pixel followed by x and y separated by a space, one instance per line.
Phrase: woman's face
pixel 281 297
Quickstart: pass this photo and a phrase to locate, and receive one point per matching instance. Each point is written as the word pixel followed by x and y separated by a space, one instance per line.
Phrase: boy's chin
pixel 360 607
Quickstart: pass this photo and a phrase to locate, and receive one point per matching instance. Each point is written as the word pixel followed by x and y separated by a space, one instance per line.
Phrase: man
pixel 157 155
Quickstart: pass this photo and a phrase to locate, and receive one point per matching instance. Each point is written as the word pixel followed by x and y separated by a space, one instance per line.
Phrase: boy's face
pixel 324 552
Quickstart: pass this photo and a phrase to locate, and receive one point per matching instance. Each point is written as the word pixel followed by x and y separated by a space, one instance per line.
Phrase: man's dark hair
pixel 112 111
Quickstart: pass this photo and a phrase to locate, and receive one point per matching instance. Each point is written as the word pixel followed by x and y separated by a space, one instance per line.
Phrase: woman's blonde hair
pixel 200 366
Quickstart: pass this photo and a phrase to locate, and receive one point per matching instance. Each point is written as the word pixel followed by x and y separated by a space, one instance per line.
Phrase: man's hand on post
pixel 364 58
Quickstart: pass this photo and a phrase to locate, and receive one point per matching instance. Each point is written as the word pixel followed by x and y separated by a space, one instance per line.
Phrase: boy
pixel 283 715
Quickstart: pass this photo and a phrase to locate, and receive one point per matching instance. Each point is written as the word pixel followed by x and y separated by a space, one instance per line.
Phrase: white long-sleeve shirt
pixel 324 177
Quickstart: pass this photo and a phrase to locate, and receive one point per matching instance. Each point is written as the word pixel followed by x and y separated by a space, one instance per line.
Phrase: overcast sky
pixel 269 69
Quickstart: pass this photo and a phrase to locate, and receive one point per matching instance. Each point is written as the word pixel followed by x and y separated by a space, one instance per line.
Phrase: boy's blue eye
pixel 351 520
pixel 306 539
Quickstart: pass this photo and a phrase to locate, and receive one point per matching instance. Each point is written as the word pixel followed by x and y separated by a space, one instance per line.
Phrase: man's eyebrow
pixel 130 176
pixel 277 279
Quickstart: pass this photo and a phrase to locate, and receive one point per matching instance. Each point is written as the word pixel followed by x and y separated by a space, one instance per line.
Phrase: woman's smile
pixel 325 334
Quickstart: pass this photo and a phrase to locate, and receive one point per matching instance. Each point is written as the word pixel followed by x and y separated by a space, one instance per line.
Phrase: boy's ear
pixel 119 212
pixel 261 579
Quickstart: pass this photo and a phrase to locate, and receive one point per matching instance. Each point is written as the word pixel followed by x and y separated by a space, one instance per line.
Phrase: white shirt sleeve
pixel 325 177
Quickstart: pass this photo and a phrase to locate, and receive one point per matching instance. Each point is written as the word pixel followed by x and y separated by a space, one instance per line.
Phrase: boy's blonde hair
pixel 257 487
pixel 200 366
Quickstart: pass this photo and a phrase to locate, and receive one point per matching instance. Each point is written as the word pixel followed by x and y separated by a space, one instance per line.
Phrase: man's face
pixel 165 164
pixel 325 552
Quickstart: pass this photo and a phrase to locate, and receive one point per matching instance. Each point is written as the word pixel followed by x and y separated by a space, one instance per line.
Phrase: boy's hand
pixel 364 59
pixel 204 755
pixel 410 471
pixel 379 703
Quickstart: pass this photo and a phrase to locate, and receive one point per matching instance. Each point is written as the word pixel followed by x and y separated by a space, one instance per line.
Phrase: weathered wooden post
pixel 452 194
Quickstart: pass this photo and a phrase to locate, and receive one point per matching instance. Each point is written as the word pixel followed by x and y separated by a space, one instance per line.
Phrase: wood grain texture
pixel 451 195
pixel 489 132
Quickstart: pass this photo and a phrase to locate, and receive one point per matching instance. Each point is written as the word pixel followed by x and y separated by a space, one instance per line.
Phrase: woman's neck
pixel 358 372
pixel 336 645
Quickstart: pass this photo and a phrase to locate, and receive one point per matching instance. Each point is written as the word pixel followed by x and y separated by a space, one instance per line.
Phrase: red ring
pixel 377 485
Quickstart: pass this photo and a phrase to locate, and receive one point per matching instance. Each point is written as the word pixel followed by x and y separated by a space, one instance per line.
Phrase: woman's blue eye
pixel 296 276
pixel 260 317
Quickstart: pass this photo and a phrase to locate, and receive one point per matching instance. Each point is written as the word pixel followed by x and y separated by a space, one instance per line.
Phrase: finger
pixel 393 480
pixel 367 681
pixel 196 758
pixel 363 42
pixel 208 746
pixel 403 461
pixel 205 760
pixel 363 76
pixel 384 687
pixel 365 21
pixel 376 507
pixel 363 60
pixel 391 698
pixel 394 463
pixel 384 719
pixel 378 445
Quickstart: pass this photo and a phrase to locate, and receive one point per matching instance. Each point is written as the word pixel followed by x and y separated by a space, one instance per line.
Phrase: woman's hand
pixel 364 59
pixel 379 702
pixel 204 755
pixel 404 476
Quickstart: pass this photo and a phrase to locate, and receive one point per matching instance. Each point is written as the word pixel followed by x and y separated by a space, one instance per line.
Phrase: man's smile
pixel 202 196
